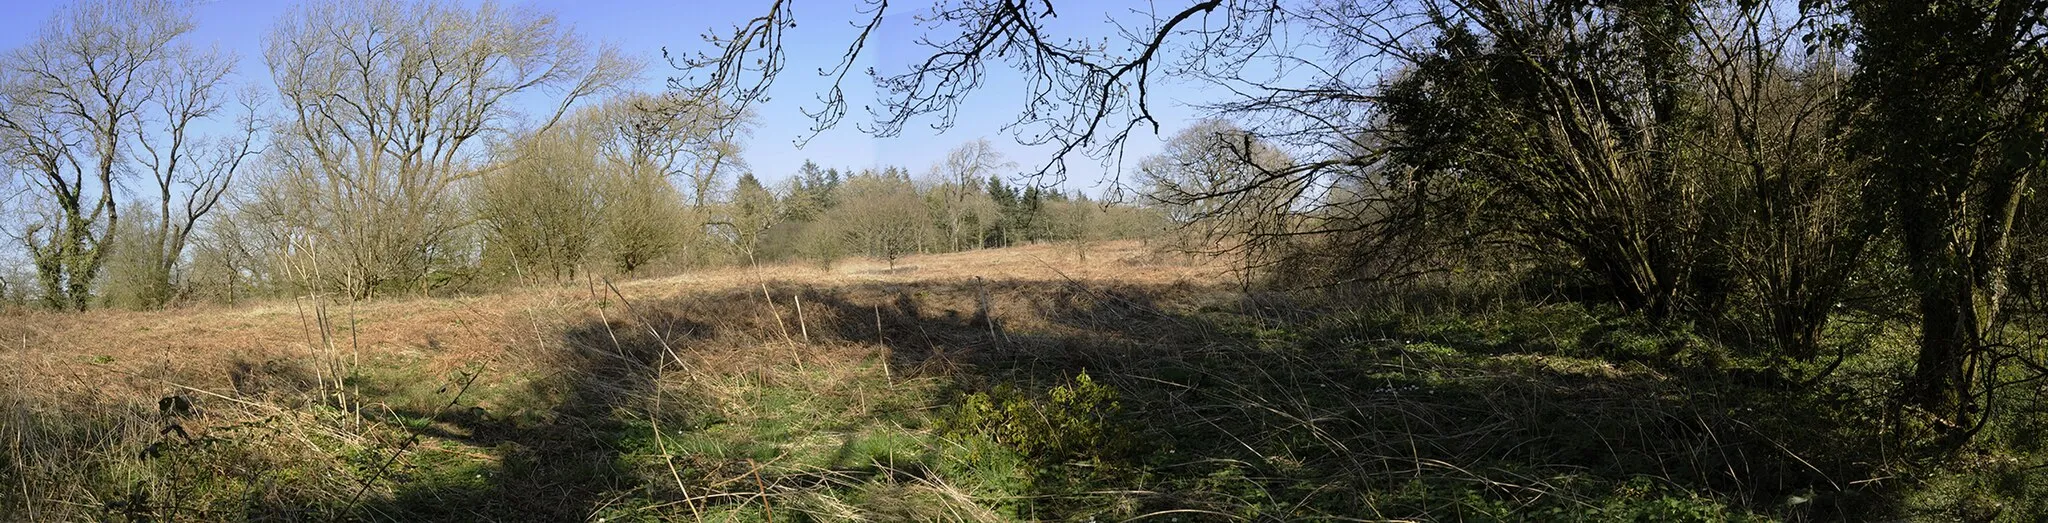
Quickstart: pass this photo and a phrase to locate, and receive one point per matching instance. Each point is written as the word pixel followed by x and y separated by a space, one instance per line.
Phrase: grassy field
pixel 1013 384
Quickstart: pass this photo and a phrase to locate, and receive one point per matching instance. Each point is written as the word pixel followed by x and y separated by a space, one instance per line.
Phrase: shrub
pixel 1076 421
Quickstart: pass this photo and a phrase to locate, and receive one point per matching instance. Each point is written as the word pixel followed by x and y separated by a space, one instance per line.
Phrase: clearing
pixel 1006 384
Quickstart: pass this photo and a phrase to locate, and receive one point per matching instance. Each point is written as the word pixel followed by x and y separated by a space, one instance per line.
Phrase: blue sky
pixel 641 28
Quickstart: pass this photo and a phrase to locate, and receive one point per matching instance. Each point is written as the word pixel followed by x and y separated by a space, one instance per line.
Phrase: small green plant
pixel 1069 422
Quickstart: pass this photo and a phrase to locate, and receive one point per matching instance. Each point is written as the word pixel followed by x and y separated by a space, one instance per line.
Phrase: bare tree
pixel 230 258
pixel 1082 96
pixel 643 219
pixel 964 207
pixel 880 216
pixel 706 177
pixel 541 212
pixel 1219 182
pixel 679 137
pixel 191 172
pixel 68 103
pixel 1770 146
pixel 386 100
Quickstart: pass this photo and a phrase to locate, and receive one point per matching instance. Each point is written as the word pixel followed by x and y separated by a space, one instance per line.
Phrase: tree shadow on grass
pixel 1253 406
pixel 562 464
pixel 1249 406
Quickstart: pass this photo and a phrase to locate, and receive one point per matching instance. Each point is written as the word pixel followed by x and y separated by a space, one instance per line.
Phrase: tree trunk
pixel 1941 375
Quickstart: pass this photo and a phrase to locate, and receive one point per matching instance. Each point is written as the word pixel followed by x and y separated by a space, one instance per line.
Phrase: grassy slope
pixel 695 399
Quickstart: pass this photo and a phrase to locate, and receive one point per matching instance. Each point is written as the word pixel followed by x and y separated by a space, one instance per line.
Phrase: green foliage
pixel 1022 216
pixel 1982 487
pixel 752 212
pixel 1074 421
pixel 1645 499
pixel 1631 339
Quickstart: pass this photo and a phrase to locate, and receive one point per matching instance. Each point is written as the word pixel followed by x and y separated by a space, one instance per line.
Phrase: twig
pixel 985 310
pixel 800 324
pixel 884 342
pixel 20 464
pixel 767 509
pixel 1788 452
pixel 1185 511
pixel 306 330
pixel 355 364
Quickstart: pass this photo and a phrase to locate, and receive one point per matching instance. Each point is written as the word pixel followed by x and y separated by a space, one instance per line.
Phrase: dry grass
pixel 714 396
pixel 555 358
pixel 123 354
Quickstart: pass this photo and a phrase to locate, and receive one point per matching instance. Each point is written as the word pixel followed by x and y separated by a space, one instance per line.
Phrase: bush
pixel 1077 421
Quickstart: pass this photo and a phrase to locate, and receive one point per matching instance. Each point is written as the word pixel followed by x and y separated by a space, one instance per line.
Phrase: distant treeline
pixel 389 154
